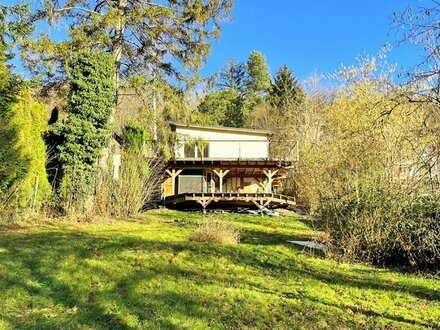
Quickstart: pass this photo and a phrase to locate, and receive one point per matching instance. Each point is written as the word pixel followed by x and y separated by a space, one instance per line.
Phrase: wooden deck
pixel 260 200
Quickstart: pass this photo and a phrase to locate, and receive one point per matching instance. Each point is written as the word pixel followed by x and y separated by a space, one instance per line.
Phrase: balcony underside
pixel 228 163
pixel 236 168
pixel 219 200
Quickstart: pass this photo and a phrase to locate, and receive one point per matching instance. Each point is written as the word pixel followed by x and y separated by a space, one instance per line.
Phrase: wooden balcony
pixel 213 200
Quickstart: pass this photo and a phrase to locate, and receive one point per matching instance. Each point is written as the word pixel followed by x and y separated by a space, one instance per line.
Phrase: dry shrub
pixel 215 232
pixel 138 185
pixel 382 224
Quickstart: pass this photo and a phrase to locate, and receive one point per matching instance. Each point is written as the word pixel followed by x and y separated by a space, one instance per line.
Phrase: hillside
pixel 146 274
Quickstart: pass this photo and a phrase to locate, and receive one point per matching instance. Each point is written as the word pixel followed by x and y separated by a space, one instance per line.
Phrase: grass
pixel 147 274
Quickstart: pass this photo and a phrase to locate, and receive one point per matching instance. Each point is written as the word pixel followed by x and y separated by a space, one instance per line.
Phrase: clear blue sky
pixel 310 35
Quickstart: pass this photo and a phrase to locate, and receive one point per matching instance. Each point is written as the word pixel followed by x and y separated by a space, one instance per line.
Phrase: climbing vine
pixel 87 129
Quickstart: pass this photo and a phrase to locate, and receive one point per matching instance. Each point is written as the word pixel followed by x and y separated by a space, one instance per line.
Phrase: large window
pixel 192 181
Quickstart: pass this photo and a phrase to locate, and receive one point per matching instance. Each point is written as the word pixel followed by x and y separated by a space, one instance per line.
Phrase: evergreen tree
pixel 158 41
pixel 258 82
pixel 243 86
pixel 233 76
pixel 259 79
pixel 12 161
pixel 30 120
pixel 285 90
pixel 223 107
pixel 87 130
pixel 171 37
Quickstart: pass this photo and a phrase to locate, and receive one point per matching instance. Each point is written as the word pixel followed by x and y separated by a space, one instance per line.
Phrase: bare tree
pixel 420 26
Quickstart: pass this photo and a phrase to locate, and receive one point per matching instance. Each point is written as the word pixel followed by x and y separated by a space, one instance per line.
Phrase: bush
pixel 138 186
pixel 13 164
pixel 382 224
pixel 30 119
pixel 215 232
pixel 134 136
pixel 23 178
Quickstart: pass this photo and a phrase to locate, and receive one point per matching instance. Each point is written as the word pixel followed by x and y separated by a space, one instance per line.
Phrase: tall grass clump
pixel 216 232
pixel 382 224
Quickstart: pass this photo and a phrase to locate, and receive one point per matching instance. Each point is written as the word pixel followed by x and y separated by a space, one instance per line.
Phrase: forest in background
pixel 368 146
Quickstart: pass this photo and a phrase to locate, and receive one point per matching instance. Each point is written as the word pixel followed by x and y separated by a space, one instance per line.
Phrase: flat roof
pixel 221 128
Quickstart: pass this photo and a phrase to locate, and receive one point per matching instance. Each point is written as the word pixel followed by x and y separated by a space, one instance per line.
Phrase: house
pixel 223 166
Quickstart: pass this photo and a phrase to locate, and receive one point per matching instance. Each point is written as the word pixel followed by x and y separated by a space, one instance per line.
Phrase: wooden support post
pixel 221 174
pixel 204 203
pixel 263 184
pixel 173 174
pixel 261 204
pixel 212 184
pixel 257 204
pixel 270 174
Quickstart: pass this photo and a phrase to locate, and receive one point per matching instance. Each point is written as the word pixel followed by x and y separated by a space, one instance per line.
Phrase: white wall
pixel 224 144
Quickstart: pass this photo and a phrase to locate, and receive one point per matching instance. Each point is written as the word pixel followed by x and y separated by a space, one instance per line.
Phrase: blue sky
pixel 310 36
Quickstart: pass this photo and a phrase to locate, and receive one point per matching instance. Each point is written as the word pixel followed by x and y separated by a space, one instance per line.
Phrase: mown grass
pixel 147 274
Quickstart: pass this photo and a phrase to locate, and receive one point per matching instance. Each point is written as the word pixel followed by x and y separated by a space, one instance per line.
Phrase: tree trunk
pixel 154 115
pixel 118 45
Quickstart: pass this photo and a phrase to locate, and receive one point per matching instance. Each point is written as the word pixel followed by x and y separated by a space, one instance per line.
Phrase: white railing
pixel 241 149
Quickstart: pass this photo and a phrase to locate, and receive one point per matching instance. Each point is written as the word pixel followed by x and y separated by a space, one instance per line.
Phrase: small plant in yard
pixel 216 232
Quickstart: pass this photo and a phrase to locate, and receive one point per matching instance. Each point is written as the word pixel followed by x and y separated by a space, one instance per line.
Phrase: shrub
pixel 30 119
pixel 134 136
pixel 215 232
pixel 138 186
pixel 13 165
pixel 23 178
pixel 382 224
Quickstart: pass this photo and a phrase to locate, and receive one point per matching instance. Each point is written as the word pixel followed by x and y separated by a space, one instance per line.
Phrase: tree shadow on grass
pixel 370 276
pixel 256 237
pixel 368 312
pixel 29 253
pixel 24 260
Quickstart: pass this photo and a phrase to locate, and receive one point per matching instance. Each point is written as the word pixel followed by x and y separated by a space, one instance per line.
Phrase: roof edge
pixel 221 128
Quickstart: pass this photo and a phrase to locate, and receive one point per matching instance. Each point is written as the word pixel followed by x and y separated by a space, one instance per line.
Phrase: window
pixel 206 151
pixel 191 151
pixel 192 181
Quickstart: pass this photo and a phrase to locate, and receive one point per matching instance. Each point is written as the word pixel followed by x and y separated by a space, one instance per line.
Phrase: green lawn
pixel 146 274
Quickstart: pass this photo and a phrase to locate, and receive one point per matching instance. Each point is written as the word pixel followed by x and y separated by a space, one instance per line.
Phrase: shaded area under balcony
pixel 231 199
